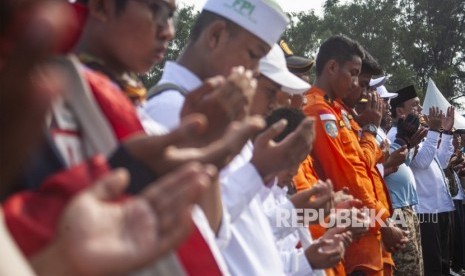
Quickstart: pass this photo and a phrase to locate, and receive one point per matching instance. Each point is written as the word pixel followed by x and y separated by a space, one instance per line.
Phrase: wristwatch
pixel 371 128
pixel 448 132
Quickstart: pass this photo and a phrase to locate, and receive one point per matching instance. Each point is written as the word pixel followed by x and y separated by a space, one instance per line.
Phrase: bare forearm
pixel 212 206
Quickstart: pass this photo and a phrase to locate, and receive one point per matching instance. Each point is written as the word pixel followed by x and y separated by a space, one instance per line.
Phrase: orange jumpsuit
pixel 372 157
pixel 338 156
pixel 304 179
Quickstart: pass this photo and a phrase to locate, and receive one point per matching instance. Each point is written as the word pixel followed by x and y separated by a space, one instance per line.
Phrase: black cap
pixel 404 95
pixel 296 64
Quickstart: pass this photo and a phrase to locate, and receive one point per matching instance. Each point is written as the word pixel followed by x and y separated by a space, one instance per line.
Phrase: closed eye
pixel 252 55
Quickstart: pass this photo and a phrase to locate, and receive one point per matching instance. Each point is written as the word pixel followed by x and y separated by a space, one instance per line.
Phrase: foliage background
pixel 413 40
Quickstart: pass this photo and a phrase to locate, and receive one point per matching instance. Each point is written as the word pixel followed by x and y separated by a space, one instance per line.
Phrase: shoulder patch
pixel 327 116
pixel 331 128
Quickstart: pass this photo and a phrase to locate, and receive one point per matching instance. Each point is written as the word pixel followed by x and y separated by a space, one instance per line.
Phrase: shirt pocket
pixel 350 145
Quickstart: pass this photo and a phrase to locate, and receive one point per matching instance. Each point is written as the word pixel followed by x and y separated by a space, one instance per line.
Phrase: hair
pixel 7 13
pixel 205 19
pixel 293 116
pixel 120 4
pixel 370 65
pixel 393 110
pixel 339 48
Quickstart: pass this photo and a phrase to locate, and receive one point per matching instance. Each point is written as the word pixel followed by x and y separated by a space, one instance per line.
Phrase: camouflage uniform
pixel 409 260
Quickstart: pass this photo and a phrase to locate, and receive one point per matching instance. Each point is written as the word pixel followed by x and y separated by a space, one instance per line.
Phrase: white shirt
pixel 427 167
pixel 150 126
pixel 294 259
pixel 12 261
pixel 164 110
pixel 252 249
pixel 380 138
pixel 391 135
pixel 463 191
pixel 166 107
pixel 461 194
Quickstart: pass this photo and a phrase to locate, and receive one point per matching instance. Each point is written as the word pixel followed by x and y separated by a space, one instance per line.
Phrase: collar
pixel 317 91
pixel 321 93
pixel 175 73
pixel 128 82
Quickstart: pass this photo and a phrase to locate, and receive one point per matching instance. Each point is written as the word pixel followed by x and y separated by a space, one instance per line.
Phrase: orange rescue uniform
pixel 338 156
pixel 304 179
pixel 372 157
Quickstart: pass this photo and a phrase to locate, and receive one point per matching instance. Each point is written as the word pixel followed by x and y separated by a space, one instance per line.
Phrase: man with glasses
pixel 119 40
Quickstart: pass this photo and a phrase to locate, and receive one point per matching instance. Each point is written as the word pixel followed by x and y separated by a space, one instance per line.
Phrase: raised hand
pixel 448 120
pixel 221 101
pixel 171 199
pixel 339 233
pixel 396 158
pixel 393 237
pixel 100 236
pixel 221 151
pixel 319 197
pixel 373 111
pixel 327 251
pixel 435 118
pixel 164 153
pixel 285 154
pixel 418 136
pixel 407 126
pixel 359 220
pixel 342 196
pixel 360 223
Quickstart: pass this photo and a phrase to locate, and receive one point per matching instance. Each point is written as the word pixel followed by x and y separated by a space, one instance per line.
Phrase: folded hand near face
pixel 373 110
pixel 222 101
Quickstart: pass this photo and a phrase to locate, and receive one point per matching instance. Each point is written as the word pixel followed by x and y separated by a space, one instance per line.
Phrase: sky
pixel 288 5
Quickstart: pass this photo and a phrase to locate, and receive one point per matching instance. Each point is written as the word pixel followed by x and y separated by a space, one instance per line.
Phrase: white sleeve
pixel 296 263
pixel 445 151
pixel 166 108
pixel 391 135
pixel 224 232
pixel 427 151
pixel 12 261
pixel 239 188
pixel 282 220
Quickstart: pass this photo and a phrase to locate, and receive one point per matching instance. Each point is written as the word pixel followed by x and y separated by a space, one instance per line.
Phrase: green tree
pixel 413 40
pixel 432 41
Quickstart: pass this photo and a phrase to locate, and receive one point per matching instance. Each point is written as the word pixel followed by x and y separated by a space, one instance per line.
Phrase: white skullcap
pixel 263 18
pixel 383 93
pixel 273 66
pixel 378 81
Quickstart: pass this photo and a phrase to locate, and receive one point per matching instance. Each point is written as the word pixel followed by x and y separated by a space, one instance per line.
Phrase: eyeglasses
pixel 162 12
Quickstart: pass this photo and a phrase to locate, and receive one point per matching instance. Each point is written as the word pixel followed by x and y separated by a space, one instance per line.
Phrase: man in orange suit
pixel 339 155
